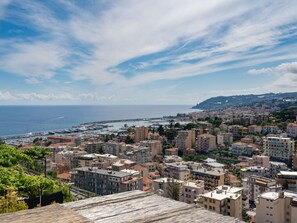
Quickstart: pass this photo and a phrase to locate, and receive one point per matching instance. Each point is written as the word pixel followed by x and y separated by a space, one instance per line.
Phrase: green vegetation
pixel 10 156
pixel 215 121
pixel 173 189
pixel 161 130
pixel 37 154
pixel 189 126
pixel 11 203
pixel 129 140
pixel 14 181
pixel 195 158
pixel 171 134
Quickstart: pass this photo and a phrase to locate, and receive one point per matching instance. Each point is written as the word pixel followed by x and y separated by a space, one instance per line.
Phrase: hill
pixel 222 102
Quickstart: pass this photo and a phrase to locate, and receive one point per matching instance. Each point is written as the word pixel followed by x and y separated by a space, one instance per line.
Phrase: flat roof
pixel 289 173
pixel 104 172
pixel 209 172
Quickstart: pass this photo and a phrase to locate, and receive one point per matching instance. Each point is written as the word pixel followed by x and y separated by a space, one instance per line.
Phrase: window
pixel 205 206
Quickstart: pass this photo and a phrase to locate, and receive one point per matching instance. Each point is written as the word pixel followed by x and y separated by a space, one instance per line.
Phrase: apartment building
pixel 177 171
pixel 206 143
pixel 104 182
pixel 225 200
pixel 191 190
pixel 241 148
pixel 185 139
pixel 257 160
pixel 254 129
pixel 212 177
pixel 288 179
pixel 63 139
pixel 137 154
pixel 292 130
pixel 279 149
pixel 254 170
pixel 257 185
pixel 171 152
pixel 141 133
pixel 114 148
pixel 276 167
pixel 155 147
pixel 168 187
pixel 269 129
pixel 235 129
pixel 94 147
pixel 277 207
pixel 225 138
pixel 69 158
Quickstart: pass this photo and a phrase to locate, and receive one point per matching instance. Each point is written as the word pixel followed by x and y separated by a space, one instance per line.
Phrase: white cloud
pixel 135 28
pixel 34 61
pixel 245 33
pixel 286 76
pixel 33 96
pixel 6 96
pixel 280 69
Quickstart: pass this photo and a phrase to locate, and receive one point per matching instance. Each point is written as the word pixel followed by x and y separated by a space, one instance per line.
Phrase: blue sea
pixel 17 120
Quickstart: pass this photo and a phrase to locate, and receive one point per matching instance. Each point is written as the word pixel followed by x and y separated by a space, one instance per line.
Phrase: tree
pixel 10 156
pixel 129 140
pixel 1 141
pixel 170 134
pixel 171 122
pixel 161 130
pixel 38 153
pixel 10 202
pixel 177 125
pixel 189 126
pixel 173 189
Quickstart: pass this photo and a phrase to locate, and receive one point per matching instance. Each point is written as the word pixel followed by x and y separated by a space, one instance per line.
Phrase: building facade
pixel 224 200
pixel 185 139
pixel 279 149
pixel 276 207
pixel 206 143
pixel 141 133
pixel 104 182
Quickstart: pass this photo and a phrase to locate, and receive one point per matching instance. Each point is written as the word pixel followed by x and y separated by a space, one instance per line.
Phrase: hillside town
pixel 236 162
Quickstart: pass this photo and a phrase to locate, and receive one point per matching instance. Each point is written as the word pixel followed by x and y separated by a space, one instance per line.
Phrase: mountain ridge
pixel 222 102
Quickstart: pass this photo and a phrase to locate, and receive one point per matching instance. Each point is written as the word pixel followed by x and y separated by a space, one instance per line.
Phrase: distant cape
pixel 222 102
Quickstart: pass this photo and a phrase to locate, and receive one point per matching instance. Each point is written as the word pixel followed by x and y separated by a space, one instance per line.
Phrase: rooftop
pixel 104 172
pixel 288 173
pixel 132 206
pixel 224 192
pixel 214 172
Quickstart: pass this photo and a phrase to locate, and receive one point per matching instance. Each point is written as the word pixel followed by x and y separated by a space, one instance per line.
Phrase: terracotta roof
pixel 64 176
pixel 147 180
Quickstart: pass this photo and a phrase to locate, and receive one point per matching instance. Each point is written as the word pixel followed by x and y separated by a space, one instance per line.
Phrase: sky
pixel 144 52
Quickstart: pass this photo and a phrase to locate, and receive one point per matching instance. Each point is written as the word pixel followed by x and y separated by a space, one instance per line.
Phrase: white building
pixel 277 207
pixel 191 190
pixel 279 148
pixel 224 200
pixel 292 130
pixel 258 185
pixel 276 167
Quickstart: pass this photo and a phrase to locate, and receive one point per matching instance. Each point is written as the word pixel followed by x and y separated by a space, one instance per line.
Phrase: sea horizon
pixel 42 118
